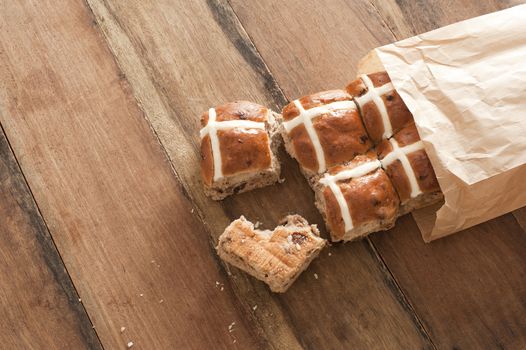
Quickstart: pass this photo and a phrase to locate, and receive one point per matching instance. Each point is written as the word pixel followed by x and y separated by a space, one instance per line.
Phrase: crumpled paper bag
pixel 466 87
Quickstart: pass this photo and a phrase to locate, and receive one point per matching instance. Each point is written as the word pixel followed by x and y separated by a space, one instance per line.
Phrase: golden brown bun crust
pixel 397 111
pixel 342 136
pixel 370 198
pixel 407 135
pixel 399 179
pixel 304 151
pixel 238 110
pixel 244 150
pixel 424 173
pixel 207 161
pixel 241 150
pixel 357 87
pixel 315 100
pixel 341 133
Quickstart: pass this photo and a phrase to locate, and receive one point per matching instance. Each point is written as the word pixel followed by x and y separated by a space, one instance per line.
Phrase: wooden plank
pixel 417 17
pixel 160 111
pixel 412 17
pixel 315 47
pixel 468 288
pixel 39 306
pixel 520 215
pixel 414 265
pixel 135 250
pixel 152 44
pixel 483 267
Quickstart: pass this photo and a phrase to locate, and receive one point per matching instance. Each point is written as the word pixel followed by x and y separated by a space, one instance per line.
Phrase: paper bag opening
pixel 466 87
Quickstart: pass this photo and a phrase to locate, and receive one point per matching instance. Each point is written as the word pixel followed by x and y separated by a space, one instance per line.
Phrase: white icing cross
pixel 400 153
pixel 211 129
pixel 330 181
pixel 374 94
pixel 305 117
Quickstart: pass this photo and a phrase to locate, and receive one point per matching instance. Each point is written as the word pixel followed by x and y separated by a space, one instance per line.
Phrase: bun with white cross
pixel 239 144
pixel 322 130
pixel 406 163
pixel 356 198
pixel 359 149
pixel 383 111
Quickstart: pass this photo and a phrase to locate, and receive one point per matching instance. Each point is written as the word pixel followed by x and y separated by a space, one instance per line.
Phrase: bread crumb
pixel 330 254
pixel 254 307
pixel 257 224
pixel 220 286
pixel 234 341
pixel 123 329
pixel 298 247
pixel 229 273
pixel 281 180
pixel 316 275
pixel 192 211
pixel 231 327
pixel 141 295
pixel 161 301
pixel 80 300
pixel 130 344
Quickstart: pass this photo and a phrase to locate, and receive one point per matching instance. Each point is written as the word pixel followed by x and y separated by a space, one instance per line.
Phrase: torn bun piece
pixel 406 163
pixel 239 145
pixel 356 199
pixel 322 130
pixel 381 107
pixel 275 257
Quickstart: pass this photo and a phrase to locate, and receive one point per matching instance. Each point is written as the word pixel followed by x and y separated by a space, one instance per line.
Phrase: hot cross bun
pixel 239 143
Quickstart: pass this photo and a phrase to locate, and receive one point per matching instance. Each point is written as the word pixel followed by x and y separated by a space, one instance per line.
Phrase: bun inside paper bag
pixel 465 86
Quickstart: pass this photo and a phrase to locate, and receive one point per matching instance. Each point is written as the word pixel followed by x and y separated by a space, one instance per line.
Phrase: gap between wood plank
pixel 384 21
pixel 404 300
pixel 516 214
pixel 140 105
pixel 248 50
pixel 390 278
pixel 72 294
pixel 250 53
pixel 180 181
pixel 432 307
pixel 400 295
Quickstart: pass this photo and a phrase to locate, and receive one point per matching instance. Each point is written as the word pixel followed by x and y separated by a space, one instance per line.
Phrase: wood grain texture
pixel 182 148
pixel 416 17
pixel 152 42
pixel 520 215
pixel 482 267
pixel 469 288
pixel 137 254
pixel 485 314
pixel 39 306
pixel 315 47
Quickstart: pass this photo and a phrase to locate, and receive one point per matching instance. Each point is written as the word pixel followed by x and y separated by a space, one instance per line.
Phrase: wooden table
pixel 106 237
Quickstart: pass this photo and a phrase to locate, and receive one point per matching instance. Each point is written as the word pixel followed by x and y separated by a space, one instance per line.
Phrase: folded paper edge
pixel 425 218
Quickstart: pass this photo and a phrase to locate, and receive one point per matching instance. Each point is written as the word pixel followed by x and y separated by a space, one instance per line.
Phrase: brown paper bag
pixel 466 87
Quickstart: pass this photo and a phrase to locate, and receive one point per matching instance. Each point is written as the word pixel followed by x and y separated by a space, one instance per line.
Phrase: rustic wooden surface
pixel 39 306
pixel 99 101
